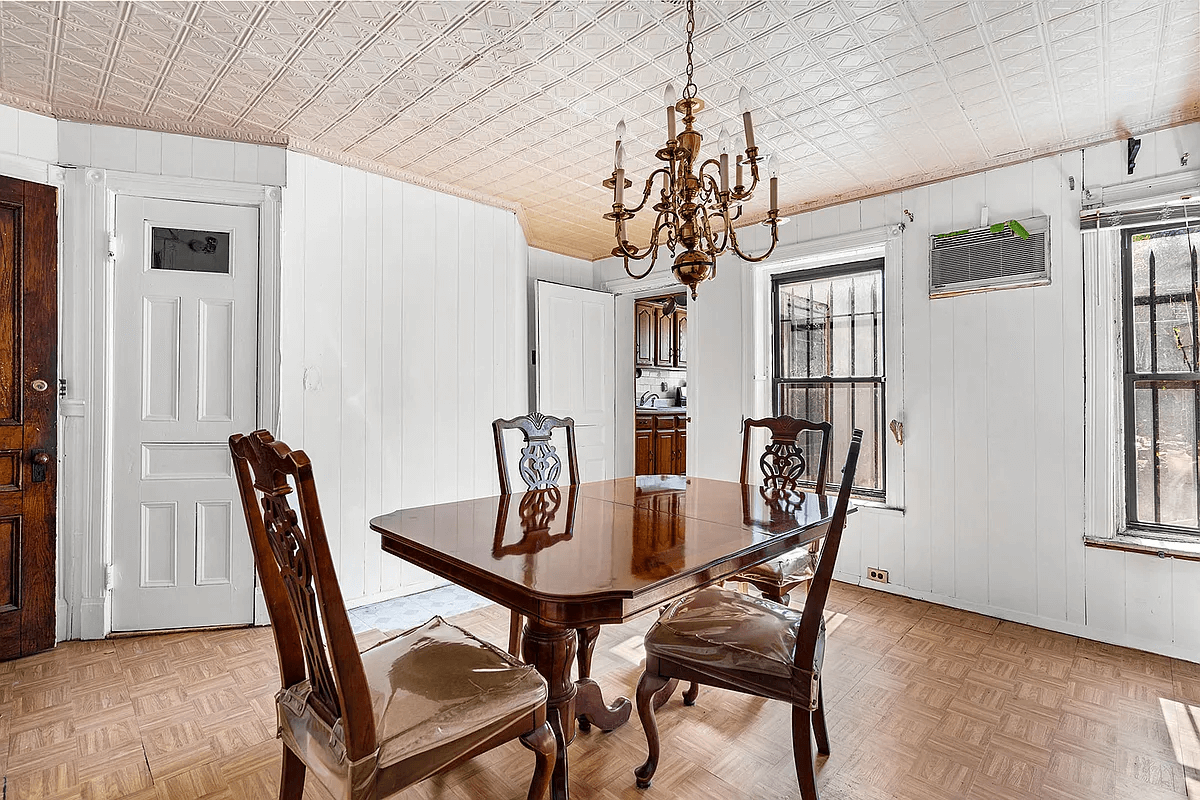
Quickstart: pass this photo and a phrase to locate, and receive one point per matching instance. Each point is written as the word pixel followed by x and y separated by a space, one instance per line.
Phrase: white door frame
pixel 86 310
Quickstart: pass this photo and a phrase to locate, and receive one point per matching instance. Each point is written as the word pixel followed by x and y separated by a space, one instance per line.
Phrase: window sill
pixel 1148 545
pixel 876 505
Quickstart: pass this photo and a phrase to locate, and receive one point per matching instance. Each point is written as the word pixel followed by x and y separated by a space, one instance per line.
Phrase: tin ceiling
pixel 514 103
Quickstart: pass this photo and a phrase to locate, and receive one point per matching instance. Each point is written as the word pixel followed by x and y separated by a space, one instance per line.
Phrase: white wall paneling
pixel 993 410
pixel 154 153
pixel 404 336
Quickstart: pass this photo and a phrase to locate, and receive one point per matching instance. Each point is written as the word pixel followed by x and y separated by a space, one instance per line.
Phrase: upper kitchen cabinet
pixel 645 317
pixel 660 334
pixel 680 337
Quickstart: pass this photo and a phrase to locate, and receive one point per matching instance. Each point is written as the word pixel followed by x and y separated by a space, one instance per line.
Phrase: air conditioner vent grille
pixel 980 260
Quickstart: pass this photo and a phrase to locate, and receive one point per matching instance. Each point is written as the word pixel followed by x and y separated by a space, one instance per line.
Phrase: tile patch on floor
pixel 402 613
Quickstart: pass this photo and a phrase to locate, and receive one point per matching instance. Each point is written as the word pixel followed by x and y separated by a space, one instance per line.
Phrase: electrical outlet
pixel 876 574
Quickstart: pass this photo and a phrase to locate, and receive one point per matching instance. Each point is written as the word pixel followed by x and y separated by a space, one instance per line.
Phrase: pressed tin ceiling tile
pixel 514 103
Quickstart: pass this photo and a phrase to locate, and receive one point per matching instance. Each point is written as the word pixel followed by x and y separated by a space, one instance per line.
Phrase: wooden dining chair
pixel 540 467
pixel 781 468
pixel 368 724
pixel 751 645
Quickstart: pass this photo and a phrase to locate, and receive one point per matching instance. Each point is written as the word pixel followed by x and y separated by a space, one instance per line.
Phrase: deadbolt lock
pixel 40 385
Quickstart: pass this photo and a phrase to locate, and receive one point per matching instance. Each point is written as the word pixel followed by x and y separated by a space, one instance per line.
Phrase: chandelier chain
pixel 689 91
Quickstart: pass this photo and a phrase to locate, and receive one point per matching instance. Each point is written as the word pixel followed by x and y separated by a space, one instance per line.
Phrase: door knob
pixel 41 460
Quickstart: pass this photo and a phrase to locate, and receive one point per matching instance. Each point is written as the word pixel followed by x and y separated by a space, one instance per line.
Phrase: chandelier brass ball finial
pixel 696 207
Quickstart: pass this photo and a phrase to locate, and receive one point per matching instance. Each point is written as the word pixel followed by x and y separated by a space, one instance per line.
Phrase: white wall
pixel 169 154
pixel 404 336
pixel 992 410
pixel 28 136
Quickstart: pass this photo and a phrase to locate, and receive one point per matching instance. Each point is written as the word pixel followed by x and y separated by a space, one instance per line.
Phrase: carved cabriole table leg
pixel 551 649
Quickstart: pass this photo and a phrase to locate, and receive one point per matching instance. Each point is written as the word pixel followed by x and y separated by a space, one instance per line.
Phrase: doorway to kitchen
pixel 660 384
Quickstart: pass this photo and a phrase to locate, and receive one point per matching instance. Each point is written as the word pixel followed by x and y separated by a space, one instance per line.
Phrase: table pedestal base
pixel 551 649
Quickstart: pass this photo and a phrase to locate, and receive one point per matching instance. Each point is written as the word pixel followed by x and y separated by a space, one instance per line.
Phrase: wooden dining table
pixel 598 553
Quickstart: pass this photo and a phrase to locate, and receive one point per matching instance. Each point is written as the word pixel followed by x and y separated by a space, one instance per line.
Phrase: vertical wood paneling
pixel 1148 606
pixel 919 476
pixel 1050 413
pixel 1106 590
pixel 322 360
pixel 418 269
pixel 447 413
pixel 1012 535
pixel 393 311
pixel 1069 248
pixel 943 422
pixel 373 399
pixel 403 315
pixel 353 348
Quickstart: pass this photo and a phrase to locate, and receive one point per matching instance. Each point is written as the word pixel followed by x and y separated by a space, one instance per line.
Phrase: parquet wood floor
pixel 925 703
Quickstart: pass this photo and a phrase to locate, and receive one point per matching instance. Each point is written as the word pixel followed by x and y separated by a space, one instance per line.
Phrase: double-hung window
pixel 1161 295
pixel 829 365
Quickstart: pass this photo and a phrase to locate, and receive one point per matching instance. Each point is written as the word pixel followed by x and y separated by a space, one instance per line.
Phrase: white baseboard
pixel 412 588
pixel 1057 625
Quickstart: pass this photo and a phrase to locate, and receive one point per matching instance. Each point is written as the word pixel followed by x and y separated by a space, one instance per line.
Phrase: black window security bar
pixel 1161 322
pixel 828 357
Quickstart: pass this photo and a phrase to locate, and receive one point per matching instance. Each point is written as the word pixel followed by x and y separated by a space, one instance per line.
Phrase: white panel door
pixel 186 344
pixel 575 370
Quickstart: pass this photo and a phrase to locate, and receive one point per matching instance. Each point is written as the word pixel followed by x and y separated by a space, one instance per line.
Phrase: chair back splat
pixel 308 616
pixel 539 466
pixel 782 462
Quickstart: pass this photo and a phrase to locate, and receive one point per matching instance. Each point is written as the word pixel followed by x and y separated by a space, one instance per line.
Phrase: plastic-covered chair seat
pixel 429 685
pixel 799 564
pixel 369 719
pixel 738 641
pixel 753 645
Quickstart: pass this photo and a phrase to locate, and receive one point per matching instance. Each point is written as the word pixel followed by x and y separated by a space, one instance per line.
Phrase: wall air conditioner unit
pixel 983 259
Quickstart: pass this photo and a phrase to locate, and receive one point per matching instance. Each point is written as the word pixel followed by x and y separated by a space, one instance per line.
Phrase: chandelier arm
pixel 631 251
pixel 723 215
pixel 764 256
pixel 649 188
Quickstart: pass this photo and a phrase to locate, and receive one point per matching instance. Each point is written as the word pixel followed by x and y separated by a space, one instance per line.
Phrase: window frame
pixel 778 382
pixel 1129 379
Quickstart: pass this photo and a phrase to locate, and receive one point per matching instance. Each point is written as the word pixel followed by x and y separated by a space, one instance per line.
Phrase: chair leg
pixel 544 746
pixel 291 778
pixel 802 752
pixel 689 697
pixel 514 635
pixel 819 729
pixel 647 687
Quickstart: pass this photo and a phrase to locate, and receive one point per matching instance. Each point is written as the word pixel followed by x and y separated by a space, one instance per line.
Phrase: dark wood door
pixel 645 326
pixel 28 435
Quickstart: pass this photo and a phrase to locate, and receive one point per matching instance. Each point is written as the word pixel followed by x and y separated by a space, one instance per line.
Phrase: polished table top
pixel 603 551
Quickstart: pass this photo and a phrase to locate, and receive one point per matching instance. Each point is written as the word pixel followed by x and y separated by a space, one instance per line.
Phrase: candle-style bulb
pixel 619 161
pixel 744 102
pixel 775 186
pixel 669 98
pixel 618 156
pixel 724 139
pixel 621 130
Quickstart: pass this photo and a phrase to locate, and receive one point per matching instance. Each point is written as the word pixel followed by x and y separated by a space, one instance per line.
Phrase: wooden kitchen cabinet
pixel 680 337
pixel 645 317
pixel 660 444
pixel 664 351
pixel 660 340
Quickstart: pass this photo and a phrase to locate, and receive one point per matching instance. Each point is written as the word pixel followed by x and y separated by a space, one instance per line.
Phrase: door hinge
pixel 108 577
pixel 113 244
pixel 62 387
pixel 533 357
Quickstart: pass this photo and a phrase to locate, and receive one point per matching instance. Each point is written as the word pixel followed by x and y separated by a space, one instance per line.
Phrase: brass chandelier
pixel 696 208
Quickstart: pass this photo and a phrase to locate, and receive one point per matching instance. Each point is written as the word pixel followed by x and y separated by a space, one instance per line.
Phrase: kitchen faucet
pixel 647 399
